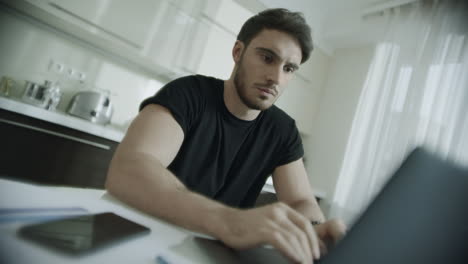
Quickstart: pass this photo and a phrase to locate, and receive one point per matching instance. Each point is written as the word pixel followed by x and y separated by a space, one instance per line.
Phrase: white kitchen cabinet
pixel 223 19
pixel 169 38
pixel 193 45
pixel 228 14
pixel 129 23
pixel 164 37
pixel 216 59
pixel 178 41
pixel 192 7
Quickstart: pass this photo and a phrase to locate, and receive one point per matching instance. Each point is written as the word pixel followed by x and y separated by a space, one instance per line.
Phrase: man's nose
pixel 274 74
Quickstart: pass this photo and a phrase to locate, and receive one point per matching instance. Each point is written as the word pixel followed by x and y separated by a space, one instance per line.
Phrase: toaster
pixel 94 106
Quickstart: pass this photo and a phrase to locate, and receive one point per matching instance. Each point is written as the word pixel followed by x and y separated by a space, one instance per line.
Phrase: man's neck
pixel 235 105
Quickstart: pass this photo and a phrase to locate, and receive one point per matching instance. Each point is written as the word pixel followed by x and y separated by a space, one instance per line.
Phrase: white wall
pixel 301 97
pixel 332 124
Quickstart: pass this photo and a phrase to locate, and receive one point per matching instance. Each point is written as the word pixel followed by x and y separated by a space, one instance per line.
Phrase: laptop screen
pixel 420 216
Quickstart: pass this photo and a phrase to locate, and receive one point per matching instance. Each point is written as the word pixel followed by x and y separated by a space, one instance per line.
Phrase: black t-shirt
pixel 223 157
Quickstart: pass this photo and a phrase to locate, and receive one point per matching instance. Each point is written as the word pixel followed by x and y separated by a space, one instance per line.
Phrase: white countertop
pixel 61 118
pixel 14 195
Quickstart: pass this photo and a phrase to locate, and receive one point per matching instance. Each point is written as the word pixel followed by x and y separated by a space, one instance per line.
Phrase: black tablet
pixel 82 234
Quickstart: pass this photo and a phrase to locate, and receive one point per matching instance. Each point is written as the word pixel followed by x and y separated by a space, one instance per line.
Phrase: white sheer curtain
pixel 416 93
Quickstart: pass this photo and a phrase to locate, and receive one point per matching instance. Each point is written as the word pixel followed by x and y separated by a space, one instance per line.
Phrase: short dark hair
pixel 281 19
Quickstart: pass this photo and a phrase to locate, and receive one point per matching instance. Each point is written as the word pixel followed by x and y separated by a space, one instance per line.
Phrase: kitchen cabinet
pixel 163 37
pixel 228 14
pixel 168 38
pixel 120 21
pixel 191 7
pixel 223 20
pixel 216 59
pixel 202 37
pixel 43 152
pixel 178 41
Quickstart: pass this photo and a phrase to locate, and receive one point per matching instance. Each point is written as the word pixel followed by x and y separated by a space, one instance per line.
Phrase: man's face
pixel 265 67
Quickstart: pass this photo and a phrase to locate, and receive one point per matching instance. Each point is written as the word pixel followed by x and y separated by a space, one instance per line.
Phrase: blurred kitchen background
pixel 385 75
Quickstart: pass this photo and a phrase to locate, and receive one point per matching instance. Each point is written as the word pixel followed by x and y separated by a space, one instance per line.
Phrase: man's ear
pixel 237 51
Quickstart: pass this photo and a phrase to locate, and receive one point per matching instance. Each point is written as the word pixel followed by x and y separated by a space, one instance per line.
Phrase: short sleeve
pixel 182 97
pixel 291 148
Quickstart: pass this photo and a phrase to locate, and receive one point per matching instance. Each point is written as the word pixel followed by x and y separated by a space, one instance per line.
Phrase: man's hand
pixel 329 233
pixel 277 225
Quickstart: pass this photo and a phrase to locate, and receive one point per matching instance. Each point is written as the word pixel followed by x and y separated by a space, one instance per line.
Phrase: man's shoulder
pixel 197 80
pixel 278 115
pixel 275 119
pixel 193 90
pixel 279 130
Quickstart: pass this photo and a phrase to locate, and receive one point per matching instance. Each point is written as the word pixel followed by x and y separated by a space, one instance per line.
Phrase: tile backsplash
pixel 30 51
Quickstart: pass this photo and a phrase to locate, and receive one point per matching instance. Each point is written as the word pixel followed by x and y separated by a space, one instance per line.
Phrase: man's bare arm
pixel 138 174
pixel 139 177
pixel 293 188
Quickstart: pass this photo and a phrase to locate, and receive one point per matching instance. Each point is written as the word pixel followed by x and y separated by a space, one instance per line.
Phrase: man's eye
pixel 266 58
pixel 289 69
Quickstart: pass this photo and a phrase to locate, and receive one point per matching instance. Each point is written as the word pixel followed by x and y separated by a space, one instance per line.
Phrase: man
pixel 200 150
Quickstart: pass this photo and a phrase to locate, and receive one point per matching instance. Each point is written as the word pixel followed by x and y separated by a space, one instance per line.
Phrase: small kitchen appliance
pixel 46 96
pixel 92 105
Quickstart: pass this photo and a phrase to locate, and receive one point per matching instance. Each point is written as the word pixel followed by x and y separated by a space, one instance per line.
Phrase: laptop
pixel 420 216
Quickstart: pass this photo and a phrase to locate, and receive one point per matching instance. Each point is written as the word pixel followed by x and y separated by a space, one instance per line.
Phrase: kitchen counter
pixel 61 118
